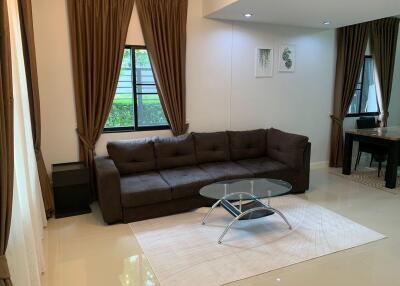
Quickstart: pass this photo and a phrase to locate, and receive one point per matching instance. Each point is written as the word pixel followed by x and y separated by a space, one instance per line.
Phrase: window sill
pixel 363 114
pixel 131 129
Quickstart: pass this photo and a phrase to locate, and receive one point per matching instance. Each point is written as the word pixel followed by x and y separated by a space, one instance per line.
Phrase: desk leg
pixel 391 168
pixel 348 149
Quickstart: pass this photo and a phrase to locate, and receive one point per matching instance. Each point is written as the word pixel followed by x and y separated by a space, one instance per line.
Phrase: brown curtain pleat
pixel 28 43
pixel 164 31
pixel 98 31
pixel 351 45
pixel 6 142
pixel 383 47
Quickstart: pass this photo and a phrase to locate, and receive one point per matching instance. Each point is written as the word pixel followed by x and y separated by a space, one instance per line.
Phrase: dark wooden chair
pixel 378 153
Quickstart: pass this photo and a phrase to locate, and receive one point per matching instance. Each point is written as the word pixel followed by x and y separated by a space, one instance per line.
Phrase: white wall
pixel 210 6
pixel 222 92
pixel 394 107
pixel 59 141
pixel 298 102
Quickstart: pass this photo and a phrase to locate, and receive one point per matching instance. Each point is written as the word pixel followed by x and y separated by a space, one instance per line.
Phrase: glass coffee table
pixel 242 198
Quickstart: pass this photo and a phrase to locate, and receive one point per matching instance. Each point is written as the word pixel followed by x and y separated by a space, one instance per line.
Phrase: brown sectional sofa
pixel 147 178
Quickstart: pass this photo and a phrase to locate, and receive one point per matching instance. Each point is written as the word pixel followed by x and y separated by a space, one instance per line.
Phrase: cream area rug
pixel 182 251
pixel 369 176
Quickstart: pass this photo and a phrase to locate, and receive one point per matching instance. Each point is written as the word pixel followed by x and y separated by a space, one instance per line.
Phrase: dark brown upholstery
pixel 172 152
pixel 132 156
pixel 108 189
pixel 144 189
pixel 247 144
pixel 144 179
pixel 185 181
pixel 165 208
pixel 226 171
pixel 211 147
pixel 262 166
pixel 286 147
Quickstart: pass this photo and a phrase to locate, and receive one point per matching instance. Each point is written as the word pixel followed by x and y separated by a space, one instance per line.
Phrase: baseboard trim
pixel 319 165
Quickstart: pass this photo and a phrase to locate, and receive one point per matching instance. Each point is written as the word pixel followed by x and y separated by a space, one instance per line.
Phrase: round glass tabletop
pixel 244 189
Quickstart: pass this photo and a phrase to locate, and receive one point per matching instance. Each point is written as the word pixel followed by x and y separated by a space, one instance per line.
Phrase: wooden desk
pixel 384 136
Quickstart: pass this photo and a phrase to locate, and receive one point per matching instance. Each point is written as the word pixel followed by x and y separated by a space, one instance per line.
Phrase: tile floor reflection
pixel 83 251
pixel 137 271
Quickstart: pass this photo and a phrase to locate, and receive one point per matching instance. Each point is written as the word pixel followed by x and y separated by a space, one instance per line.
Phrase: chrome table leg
pixel 276 211
pixel 281 215
pixel 209 212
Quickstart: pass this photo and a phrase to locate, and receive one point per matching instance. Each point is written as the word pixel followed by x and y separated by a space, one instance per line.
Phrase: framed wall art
pixel 287 58
pixel 264 62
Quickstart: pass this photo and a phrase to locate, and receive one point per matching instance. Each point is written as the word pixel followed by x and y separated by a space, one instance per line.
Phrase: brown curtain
pixel 6 141
pixel 164 31
pixel 98 31
pixel 383 47
pixel 27 35
pixel 351 45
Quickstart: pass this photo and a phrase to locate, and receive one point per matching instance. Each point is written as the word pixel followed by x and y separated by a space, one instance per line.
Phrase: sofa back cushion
pixel 286 147
pixel 172 152
pixel 132 156
pixel 211 147
pixel 247 144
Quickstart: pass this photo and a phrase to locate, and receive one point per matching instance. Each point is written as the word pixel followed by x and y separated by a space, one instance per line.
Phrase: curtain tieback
pixel 37 152
pixel 86 142
pixel 4 271
pixel 386 113
pixel 336 119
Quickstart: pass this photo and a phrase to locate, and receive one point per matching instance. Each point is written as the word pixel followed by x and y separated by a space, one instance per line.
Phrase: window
pixel 136 104
pixel 365 101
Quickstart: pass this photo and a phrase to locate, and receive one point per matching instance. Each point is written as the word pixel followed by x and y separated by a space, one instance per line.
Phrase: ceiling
pixel 304 13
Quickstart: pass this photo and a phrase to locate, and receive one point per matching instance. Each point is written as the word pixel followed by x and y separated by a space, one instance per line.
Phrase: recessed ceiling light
pixel 326 22
pixel 248 15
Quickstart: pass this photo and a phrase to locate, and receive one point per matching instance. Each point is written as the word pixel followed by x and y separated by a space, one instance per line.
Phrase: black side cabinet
pixel 71 189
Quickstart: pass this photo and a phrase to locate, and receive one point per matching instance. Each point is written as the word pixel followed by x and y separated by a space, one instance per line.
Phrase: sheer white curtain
pixel 379 96
pixel 25 248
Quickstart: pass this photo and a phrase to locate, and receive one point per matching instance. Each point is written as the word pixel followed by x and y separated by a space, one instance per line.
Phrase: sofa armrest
pixel 287 148
pixel 109 189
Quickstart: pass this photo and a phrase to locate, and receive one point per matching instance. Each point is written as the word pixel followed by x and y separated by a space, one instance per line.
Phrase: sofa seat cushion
pixel 220 171
pixel 211 147
pixel 185 181
pixel 144 189
pixel 262 166
pixel 247 144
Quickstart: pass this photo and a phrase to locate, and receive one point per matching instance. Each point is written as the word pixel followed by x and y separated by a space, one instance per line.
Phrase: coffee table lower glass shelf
pixel 245 205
